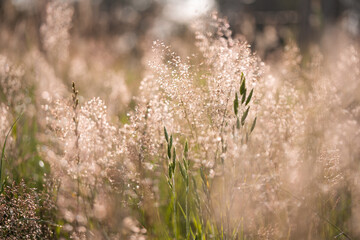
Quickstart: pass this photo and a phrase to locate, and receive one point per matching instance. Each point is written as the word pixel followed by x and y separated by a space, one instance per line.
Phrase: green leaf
pixel 182 170
pixel 243 97
pixel 186 149
pixel 194 183
pixel 170 170
pixel 169 152
pixel 253 125
pixel 236 104
pixel 243 118
pixel 249 97
pixel 171 141
pixel 170 184
pixel 186 164
pixel 237 123
pixel 166 135
pixel 242 87
pixel 174 159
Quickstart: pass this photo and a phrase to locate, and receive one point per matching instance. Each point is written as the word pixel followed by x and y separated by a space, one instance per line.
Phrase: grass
pixel 213 146
pixel 3 152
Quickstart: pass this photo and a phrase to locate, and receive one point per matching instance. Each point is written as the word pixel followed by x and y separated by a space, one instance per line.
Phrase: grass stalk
pixel 3 151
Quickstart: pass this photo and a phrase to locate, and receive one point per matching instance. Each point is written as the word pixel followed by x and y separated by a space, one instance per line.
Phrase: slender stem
pixel 77 136
pixel 188 121
pixel 174 204
pixel 187 214
pixel 341 232
pixel 3 149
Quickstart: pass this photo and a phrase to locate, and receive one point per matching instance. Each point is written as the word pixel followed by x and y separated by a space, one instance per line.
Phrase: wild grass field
pixel 210 143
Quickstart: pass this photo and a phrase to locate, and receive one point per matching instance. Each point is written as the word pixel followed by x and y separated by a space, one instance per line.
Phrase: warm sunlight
pixel 179 119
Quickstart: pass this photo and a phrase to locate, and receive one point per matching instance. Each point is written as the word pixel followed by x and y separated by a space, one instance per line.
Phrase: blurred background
pixel 128 23
pixel 123 30
pixel 103 46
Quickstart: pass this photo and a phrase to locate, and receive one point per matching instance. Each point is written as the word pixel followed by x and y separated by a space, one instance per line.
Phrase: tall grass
pixel 215 145
pixel 3 151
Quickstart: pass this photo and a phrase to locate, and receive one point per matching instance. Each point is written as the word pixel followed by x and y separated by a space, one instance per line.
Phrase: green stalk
pixel 174 204
pixel 171 174
pixel 3 149
pixel 187 215
pixel 184 170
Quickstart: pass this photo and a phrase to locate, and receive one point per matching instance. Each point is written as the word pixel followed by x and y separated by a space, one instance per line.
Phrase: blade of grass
pixel 4 145
pixel 341 232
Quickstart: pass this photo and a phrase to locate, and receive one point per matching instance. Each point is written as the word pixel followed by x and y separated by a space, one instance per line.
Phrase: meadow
pixel 210 143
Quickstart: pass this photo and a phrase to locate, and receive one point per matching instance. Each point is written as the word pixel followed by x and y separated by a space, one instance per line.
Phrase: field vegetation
pixel 211 143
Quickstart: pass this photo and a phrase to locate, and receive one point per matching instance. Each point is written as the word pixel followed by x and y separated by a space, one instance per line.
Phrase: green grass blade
pixel 182 210
pixel 4 145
